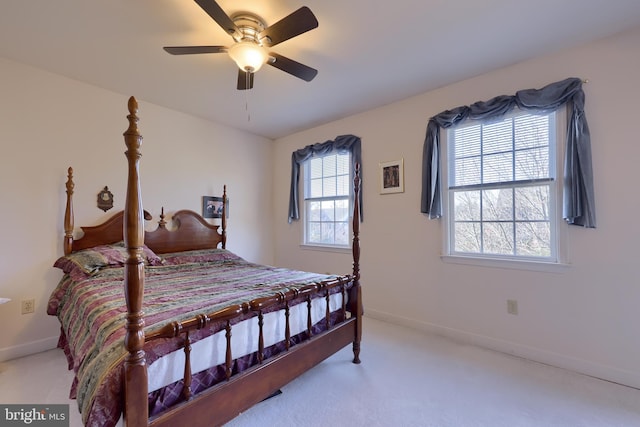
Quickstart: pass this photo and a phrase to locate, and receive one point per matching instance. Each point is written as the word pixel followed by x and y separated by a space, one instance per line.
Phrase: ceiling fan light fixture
pixel 252 39
pixel 249 56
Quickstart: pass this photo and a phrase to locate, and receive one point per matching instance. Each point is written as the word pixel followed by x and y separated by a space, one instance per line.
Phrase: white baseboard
pixel 26 349
pixel 585 367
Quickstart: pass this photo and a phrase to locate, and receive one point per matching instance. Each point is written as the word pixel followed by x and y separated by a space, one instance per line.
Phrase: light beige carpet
pixel 406 378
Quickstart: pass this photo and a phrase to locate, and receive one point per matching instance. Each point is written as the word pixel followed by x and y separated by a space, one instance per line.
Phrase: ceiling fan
pixel 252 38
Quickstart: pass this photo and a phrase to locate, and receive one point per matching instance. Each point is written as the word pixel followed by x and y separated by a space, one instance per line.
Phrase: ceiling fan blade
pixel 218 15
pixel 292 67
pixel 298 22
pixel 245 80
pixel 188 50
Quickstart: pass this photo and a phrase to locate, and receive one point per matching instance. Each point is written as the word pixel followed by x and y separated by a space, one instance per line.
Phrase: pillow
pixel 199 255
pixel 150 258
pixel 89 261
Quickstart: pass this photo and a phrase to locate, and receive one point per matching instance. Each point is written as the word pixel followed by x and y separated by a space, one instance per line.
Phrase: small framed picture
pixel 392 177
pixel 212 207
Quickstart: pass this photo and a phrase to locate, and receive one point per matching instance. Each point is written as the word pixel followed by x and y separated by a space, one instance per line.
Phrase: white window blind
pixel 502 186
pixel 327 195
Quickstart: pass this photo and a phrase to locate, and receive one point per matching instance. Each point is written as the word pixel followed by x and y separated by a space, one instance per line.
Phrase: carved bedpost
pixel 224 217
pixel 356 291
pixel 68 214
pixel 136 385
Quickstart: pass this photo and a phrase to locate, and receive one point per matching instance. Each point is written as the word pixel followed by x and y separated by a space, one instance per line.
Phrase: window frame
pixel 307 199
pixel 558 260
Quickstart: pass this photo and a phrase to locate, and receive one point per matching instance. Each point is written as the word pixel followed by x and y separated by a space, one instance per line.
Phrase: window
pixel 327 191
pixel 501 188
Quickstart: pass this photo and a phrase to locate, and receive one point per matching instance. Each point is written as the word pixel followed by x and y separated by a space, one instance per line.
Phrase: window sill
pixel 326 248
pixel 548 267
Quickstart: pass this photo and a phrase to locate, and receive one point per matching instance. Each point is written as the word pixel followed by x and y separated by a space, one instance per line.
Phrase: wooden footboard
pixel 232 314
pixel 226 400
pixel 237 393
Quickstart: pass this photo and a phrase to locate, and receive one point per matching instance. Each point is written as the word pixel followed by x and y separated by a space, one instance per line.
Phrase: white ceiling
pixel 368 52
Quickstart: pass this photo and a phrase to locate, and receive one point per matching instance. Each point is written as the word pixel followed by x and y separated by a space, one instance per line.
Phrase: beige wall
pixel 48 123
pixel 583 318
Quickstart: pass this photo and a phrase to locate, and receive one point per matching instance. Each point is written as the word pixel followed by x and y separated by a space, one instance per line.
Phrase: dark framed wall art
pixel 392 177
pixel 212 207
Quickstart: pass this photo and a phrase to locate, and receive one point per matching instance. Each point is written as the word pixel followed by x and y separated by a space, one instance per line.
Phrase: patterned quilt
pixel 92 312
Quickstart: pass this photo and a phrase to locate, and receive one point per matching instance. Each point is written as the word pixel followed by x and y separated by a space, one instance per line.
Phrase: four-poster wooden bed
pixel 152 262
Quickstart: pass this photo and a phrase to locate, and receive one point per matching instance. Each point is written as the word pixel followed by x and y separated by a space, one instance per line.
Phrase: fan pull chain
pixel 247 77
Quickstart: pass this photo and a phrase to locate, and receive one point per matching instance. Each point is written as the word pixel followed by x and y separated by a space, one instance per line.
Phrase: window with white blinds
pixel 501 187
pixel 327 190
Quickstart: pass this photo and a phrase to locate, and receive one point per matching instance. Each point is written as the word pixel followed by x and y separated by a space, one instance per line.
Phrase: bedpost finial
pixel 133 118
pixel 133 105
pixel 70 183
pixel 162 223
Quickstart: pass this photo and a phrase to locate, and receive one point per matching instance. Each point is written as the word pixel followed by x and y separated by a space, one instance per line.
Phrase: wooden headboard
pixel 189 231
pixel 192 232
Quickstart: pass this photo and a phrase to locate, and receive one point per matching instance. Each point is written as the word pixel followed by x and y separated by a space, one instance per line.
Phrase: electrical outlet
pixel 28 306
pixel 512 306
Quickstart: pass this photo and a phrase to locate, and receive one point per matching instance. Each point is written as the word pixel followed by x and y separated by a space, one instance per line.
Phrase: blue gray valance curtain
pixel 342 144
pixel 578 196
